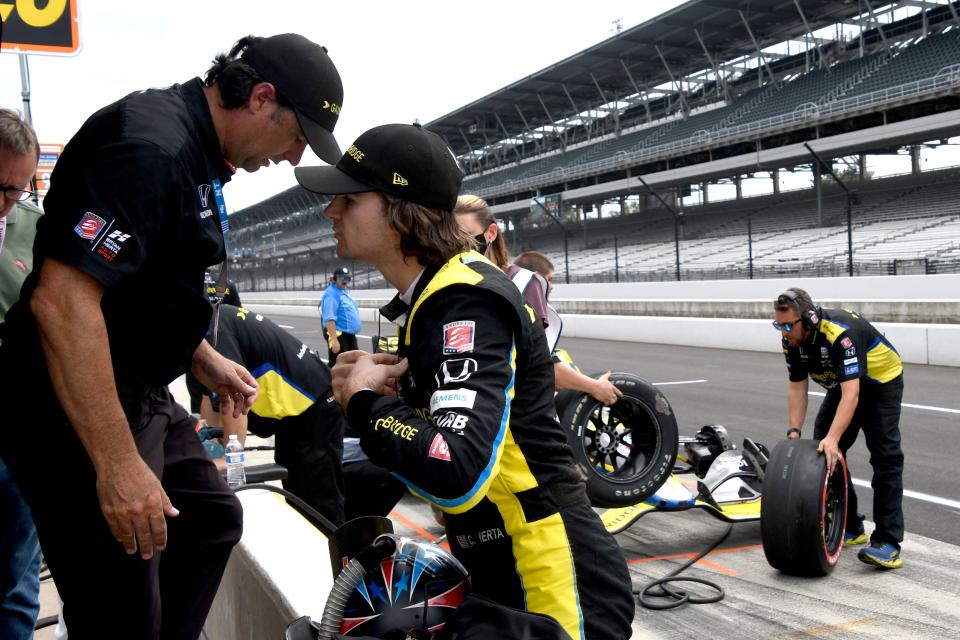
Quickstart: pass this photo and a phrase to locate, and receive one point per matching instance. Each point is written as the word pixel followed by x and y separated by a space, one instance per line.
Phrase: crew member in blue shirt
pixel 340 316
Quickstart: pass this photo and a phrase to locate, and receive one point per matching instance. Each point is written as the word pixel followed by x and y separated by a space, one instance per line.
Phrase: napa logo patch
pixel 439 448
pixel 90 226
pixel 458 337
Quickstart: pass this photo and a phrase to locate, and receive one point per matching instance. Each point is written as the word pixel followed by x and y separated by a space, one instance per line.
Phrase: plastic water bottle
pixel 236 476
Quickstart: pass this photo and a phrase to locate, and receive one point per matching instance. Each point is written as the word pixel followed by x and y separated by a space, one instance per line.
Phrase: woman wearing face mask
pixel 475 218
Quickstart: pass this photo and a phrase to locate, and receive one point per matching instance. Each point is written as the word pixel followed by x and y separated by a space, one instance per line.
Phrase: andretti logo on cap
pixel 458 336
pixel 89 226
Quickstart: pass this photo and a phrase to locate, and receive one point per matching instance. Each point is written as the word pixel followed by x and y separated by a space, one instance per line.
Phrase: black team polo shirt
pixel 132 204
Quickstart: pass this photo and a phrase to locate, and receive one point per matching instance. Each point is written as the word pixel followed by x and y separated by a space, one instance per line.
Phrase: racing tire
pixel 625 451
pixel 563 398
pixel 803 513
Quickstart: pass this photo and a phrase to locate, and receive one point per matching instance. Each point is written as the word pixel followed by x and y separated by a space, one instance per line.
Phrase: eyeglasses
pixel 785 326
pixel 13 193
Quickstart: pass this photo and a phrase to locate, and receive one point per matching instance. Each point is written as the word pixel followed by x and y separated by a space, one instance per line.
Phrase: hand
pixel 356 370
pixel 134 505
pixel 831 451
pixel 605 391
pixel 227 378
pixel 334 346
pixel 793 434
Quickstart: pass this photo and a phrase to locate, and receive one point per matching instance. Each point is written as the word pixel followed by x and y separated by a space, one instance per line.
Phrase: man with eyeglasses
pixel 19 548
pixel 119 485
pixel 863 377
pixel 339 315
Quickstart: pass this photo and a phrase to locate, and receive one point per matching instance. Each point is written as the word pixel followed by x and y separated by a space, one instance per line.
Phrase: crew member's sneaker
pixel 855 539
pixel 881 554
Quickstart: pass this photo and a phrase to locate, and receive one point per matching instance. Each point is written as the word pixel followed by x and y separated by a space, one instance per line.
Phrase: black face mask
pixel 482 243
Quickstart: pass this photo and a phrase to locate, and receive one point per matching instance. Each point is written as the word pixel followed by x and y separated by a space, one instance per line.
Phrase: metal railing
pixel 805 114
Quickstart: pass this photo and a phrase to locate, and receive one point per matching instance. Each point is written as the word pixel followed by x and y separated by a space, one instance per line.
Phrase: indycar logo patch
pixel 89 226
pixel 846 343
pixel 458 337
pixel 439 449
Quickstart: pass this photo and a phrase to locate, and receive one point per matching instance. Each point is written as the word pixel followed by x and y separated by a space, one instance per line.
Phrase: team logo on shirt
pixel 452 399
pixel 846 343
pixel 203 190
pixel 439 448
pixel 90 226
pixel 458 337
pixel 112 244
pixel 455 370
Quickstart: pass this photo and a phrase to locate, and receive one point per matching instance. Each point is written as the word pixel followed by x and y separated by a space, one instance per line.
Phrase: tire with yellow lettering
pixel 803 513
pixel 626 450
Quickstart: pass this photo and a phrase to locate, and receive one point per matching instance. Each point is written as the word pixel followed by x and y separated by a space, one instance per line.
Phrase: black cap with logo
pixel 303 73
pixel 341 272
pixel 402 160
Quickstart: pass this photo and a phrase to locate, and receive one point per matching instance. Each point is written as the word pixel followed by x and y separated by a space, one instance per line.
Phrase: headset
pixel 809 316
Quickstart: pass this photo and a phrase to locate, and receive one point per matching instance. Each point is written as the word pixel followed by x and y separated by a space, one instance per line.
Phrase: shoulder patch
pixel 458 337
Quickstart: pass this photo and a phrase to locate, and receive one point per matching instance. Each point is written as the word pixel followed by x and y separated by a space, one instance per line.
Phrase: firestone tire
pixel 803 513
pixel 563 398
pixel 626 451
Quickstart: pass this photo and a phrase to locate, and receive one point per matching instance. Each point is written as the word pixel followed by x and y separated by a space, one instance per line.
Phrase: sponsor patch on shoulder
pixel 850 361
pixel 851 369
pixel 89 226
pixel 452 399
pixel 439 448
pixel 458 336
pixel 846 343
pixel 850 352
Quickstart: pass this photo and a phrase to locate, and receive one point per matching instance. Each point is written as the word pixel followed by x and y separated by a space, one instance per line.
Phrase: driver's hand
pixel 793 435
pixel 356 370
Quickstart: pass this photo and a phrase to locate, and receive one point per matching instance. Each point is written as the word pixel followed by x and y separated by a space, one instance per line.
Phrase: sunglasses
pixel 785 326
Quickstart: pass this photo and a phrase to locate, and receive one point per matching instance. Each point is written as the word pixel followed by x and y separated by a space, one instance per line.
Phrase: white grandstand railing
pixel 806 113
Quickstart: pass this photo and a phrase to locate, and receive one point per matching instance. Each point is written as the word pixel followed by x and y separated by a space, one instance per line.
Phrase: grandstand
pixel 704 95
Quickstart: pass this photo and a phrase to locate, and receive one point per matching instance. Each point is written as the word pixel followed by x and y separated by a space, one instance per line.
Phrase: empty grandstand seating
pixel 907 62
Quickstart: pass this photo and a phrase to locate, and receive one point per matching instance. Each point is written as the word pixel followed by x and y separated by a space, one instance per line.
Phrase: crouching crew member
pixel 863 376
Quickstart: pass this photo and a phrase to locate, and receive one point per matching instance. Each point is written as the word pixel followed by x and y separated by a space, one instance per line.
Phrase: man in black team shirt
pixel 295 404
pixel 863 376
pixel 114 310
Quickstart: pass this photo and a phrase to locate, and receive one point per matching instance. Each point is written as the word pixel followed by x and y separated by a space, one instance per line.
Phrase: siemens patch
pixel 452 399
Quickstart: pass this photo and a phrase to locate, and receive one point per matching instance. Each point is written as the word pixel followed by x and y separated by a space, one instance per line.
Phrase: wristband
pixel 793 430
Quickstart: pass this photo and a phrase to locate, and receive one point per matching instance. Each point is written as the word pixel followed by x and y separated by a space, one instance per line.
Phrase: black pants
pixel 107 593
pixel 878 417
pixel 370 490
pixel 564 565
pixel 196 391
pixel 348 342
pixel 310 446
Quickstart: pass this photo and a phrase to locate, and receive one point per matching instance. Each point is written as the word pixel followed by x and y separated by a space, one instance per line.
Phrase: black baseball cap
pixel 402 160
pixel 303 73
pixel 341 272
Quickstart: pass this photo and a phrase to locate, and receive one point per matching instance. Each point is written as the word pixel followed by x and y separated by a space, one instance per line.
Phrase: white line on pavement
pixel 662 384
pixel 916 495
pixel 924 407
pixel 285 326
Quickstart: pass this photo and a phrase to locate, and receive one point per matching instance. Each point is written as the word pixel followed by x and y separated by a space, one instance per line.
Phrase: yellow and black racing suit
pixel 845 347
pixel 475 434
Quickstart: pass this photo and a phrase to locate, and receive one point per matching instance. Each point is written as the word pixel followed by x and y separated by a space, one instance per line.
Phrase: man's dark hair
pixel 235 78
pixel 800 301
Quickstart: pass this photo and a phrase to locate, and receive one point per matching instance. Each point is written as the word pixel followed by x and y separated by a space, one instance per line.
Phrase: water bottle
pixel 236 476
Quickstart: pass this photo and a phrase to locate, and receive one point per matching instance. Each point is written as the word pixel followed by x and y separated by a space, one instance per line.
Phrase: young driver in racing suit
pixel 473 430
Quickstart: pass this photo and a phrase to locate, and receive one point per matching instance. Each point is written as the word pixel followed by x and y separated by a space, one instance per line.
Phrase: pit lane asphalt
pixel 746 392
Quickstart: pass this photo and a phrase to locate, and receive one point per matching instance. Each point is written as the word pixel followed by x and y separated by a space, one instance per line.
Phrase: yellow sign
pixel 40 26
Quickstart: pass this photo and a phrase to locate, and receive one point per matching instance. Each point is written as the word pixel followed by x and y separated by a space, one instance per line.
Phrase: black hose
pixel 46 621
pixel 678 596
pixel 326 527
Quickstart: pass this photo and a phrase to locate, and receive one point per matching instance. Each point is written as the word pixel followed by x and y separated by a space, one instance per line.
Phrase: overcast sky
pixel 398 60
